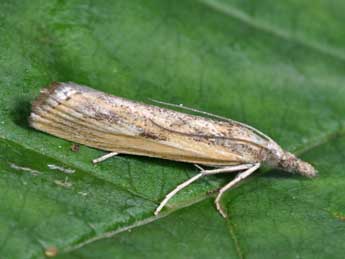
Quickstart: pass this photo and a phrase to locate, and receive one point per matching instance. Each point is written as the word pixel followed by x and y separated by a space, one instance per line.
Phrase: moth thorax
pixel 291 163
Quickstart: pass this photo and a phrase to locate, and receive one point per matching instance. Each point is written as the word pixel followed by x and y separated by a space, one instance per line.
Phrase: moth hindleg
pixel 231 184
pixel 202 173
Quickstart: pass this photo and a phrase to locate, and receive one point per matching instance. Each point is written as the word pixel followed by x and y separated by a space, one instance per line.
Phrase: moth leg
pixel 196 177
pixel 224 170
pixel 231 184
pixel 176 190
pixel 228 169
pixel 104 157
pixel 199 167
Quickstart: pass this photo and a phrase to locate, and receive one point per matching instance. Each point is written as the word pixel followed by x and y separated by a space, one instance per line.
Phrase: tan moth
pixel 96 119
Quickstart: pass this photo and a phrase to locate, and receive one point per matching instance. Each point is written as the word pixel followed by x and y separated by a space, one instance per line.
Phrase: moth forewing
pixel 112 123
pixel 93 118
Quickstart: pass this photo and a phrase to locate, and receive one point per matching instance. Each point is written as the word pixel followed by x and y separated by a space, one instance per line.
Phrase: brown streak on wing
pixel 211 136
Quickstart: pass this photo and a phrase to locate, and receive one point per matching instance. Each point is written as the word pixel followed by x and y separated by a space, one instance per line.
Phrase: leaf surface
pixel 277 66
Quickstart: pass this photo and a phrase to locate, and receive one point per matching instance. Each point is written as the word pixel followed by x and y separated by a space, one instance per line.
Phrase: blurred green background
pixel 276 65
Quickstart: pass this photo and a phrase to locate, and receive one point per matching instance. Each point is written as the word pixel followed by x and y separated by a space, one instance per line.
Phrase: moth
pixel 121 126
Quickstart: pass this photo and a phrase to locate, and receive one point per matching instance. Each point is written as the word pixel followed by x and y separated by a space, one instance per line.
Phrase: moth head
pixel 291 163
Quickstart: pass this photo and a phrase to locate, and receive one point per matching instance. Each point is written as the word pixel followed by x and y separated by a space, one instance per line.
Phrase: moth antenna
pixel 181 106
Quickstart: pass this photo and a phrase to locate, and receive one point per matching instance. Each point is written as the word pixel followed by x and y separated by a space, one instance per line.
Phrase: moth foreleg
pixel 104 157
pixel 199 167
pixel 196 177
pixel 231 184
pixel 176 190
pixel 228 169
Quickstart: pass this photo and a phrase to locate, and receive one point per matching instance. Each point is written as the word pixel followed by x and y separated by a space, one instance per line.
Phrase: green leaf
pixel 278 66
